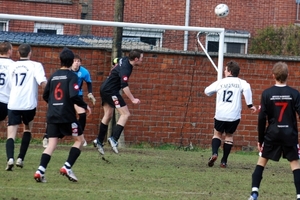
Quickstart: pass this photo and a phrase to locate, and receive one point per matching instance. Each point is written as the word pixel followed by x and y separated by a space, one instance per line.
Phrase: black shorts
pixel 81 97
pixel 3 113
pixel 16 117
pixel 274 152
pixel 114 100
pixel 226 127
pixel 64 129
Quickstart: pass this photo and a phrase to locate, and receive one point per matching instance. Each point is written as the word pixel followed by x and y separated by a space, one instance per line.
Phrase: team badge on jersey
pixel 76 87
pixel 74 129
pixel 116 101
pixel 125 78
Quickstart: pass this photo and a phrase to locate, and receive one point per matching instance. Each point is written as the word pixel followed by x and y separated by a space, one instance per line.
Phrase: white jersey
pixel 4 83
pixel 229 97
pixel 25 76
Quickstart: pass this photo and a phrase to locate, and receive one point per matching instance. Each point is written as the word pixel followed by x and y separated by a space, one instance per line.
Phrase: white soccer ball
pixel 222 10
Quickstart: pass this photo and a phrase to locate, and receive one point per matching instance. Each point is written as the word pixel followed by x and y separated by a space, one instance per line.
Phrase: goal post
pixel 136 27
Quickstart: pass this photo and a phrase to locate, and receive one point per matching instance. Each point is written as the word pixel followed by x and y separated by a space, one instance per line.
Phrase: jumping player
pixel 24 76
pixel 228 109
pixel 279 106
pixel 111 98
pixel 61 93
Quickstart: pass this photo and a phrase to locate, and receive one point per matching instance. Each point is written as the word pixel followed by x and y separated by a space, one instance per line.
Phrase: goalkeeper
pixel 83 76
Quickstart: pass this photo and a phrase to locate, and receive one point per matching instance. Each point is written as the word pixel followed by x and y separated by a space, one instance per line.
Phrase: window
pixel 150 36
pixel 234 42
pixel 57 29
pixel 4 25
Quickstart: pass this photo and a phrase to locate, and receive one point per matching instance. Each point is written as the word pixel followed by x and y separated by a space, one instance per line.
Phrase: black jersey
pixel 118 77
pixel 61 93
pixel 279 106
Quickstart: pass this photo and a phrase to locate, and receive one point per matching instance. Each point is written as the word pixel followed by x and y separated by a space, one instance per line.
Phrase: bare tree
pixel 117 52
pixel 118 31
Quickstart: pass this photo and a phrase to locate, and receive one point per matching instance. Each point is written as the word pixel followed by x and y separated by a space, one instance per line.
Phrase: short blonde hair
pixel 280 71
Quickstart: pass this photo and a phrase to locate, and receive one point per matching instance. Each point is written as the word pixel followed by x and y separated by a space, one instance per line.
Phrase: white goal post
pixel 219 31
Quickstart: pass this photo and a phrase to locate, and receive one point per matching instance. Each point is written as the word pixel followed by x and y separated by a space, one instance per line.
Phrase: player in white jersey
pixel 228 109
pixel 5 61
pixel 24 76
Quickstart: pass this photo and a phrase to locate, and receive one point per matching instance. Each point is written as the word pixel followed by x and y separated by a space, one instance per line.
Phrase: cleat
pixel 45 142
pixel 99 146
pixel 212 160
pixel 39 177
pixel 113 144
pixel 85 143
pixel 223 165
pixel 19 163
pixel 253 196
pixel 68 173
pixel 10 164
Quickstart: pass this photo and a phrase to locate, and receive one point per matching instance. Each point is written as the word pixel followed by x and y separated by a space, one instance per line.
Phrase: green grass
pixel 144 173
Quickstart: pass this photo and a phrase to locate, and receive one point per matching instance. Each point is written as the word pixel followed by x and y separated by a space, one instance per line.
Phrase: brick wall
pixel 173 107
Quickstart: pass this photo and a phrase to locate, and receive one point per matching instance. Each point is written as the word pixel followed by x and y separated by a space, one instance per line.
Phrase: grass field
pixel 144 174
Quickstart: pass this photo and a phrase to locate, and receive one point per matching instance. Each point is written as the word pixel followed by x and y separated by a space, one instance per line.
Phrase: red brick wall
pixel 173 107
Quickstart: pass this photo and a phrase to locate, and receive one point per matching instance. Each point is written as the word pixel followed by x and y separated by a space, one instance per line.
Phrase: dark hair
pixel 234 68
pixel 280 71
pixel 66 57
pixel 5 47
pixel 24 50
pixel 135 53
pixel 76 56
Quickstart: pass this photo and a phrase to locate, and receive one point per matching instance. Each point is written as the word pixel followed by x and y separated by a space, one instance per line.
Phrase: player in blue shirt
pixel 83 76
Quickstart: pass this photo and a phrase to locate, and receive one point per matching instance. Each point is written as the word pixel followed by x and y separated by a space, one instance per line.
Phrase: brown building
pixel 245 18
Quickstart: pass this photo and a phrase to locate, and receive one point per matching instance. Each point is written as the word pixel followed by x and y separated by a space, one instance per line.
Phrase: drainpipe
pixel 187 19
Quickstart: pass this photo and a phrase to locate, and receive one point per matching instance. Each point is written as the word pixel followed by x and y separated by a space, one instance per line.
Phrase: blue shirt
pixel 83 75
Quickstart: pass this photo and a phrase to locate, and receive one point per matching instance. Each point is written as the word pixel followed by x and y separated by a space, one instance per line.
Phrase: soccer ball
pixel 222 10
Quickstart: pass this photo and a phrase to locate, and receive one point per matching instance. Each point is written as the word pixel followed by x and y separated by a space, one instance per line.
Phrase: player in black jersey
pixel 279 106
pixel 61 93
pixel 111 98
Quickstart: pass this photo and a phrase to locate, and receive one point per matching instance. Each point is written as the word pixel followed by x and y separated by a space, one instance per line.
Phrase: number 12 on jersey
pixel 227 94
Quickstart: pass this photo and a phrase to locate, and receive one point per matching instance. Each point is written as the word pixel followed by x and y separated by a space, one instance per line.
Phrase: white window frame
pixel 145 32
pixel 231 36
pixel 5 25
pixel 58 27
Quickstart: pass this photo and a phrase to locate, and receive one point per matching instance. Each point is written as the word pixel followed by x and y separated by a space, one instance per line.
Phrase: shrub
pixel 283 40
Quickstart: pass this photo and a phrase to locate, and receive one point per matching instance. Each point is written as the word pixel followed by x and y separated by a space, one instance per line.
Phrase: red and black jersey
pixel 279 105
pixel 61 93
pixel 118 77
